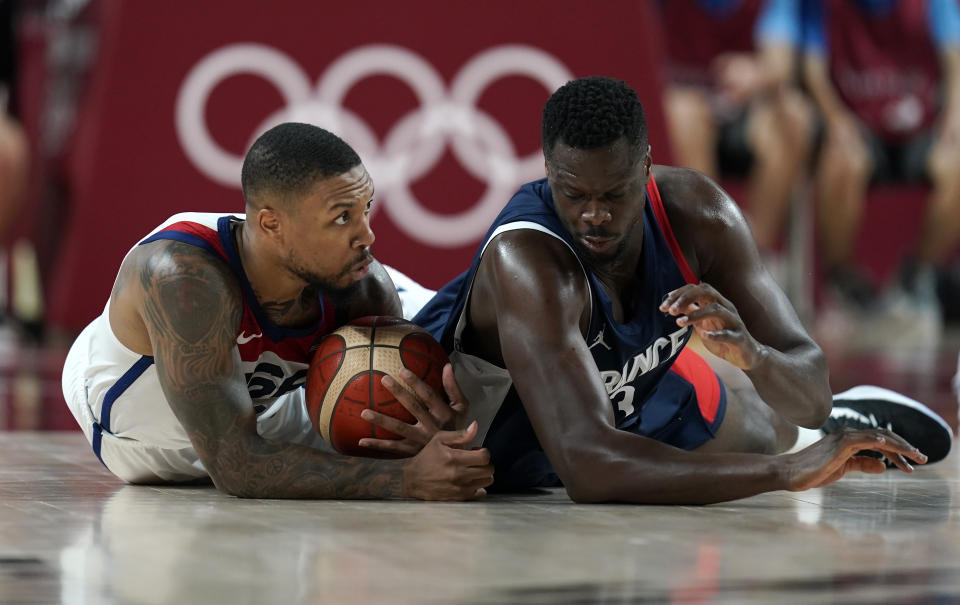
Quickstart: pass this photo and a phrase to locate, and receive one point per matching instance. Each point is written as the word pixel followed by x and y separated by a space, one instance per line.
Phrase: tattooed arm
pixel 191 308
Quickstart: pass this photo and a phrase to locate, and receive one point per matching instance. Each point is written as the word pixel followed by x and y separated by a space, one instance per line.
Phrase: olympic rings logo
pixel 412 147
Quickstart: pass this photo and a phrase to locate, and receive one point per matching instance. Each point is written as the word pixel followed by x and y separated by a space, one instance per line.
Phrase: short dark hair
pixel 290 158
pixel 591 112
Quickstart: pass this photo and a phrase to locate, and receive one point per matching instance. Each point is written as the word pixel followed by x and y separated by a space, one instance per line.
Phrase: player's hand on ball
pixel 431 410
pixel 444 471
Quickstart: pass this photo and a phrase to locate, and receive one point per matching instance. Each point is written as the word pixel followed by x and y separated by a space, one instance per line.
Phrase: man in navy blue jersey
pixel 568 335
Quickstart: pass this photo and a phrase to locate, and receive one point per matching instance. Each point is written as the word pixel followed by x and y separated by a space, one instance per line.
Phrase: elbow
pixel 583 493
pixel 817 411
pixel 232 485
pixel 582 474
pixel 235 490
pixel 819 400
pixel 821 406
pixel 820 414
pixel 239 477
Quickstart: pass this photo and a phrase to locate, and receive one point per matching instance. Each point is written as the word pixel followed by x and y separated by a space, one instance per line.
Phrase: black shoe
pixel 870 407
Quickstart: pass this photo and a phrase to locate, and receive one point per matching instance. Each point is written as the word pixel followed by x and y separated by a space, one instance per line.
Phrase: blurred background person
pixel 14 149
pixel 730 103
pixel 884 76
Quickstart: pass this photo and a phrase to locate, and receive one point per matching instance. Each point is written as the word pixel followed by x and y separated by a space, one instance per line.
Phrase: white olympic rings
pixel 413 146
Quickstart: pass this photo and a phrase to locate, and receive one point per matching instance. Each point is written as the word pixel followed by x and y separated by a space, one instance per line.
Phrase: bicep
pixel 541 298
pixel 191 309
pixel 740 275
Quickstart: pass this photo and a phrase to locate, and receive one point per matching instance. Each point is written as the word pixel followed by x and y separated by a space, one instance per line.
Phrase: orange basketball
pixel 344 378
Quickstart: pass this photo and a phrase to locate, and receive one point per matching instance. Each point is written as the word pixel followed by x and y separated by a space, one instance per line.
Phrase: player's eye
pixel 369 205
pixel 342 219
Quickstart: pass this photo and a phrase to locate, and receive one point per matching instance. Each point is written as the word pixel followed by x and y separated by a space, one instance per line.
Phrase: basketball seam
pixel 379 346
pixel 323 397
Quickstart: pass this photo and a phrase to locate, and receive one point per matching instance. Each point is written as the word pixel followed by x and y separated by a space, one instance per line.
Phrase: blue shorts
pixel 685 411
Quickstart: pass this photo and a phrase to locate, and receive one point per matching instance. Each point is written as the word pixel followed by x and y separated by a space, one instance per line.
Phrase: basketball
pixel 345 372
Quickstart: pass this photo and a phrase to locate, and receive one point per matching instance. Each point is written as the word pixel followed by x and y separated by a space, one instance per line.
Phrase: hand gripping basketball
pixel 374 385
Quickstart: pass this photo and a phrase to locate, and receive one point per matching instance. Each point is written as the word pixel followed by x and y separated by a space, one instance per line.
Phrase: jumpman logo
pixel 599 340
pixel 244 338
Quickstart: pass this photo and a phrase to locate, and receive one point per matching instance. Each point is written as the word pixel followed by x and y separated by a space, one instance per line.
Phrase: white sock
pixel 805 438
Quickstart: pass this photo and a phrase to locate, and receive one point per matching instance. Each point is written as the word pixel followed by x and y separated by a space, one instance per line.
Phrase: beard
pixel 332 287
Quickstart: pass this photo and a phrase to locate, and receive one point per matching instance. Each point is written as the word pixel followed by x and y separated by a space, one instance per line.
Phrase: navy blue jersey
pixel 632 357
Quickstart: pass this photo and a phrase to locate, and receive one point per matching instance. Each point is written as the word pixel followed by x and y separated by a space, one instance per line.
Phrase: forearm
pixel 642 471
pixel 794 383
pixel 252 467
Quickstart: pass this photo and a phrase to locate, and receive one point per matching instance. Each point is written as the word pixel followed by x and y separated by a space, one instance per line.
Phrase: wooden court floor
pixel 71 533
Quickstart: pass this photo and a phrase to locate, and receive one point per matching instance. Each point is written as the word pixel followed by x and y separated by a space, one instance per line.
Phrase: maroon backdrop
pixel 129 168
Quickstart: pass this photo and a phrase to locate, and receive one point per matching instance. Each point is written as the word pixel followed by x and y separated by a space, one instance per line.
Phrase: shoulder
pixel 170 270
pixel 169 258
pixel 691 198
pixel 531 249
pixel 704 219
pixel 171 290
pixel 529 287
pixel 531 266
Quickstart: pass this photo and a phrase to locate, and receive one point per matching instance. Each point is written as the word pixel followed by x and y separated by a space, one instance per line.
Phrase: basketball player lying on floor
pixel 580 302
pixel 194 367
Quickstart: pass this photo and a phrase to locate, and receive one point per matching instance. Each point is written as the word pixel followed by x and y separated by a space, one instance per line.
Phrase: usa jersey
pixel 632 357
pixel 274 359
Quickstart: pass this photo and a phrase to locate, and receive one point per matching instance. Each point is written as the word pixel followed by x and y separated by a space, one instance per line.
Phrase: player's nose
pixel 365 237
pixel 596 213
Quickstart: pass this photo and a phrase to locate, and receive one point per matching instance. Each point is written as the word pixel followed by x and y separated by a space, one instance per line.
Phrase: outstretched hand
pixel 431 410
pixel 716 321
pixel 839 452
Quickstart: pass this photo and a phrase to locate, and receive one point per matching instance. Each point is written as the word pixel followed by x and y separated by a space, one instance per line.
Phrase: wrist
pixel 760 357
pixel 404 489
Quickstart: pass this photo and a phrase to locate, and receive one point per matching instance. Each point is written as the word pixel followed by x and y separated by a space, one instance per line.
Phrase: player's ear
pixel 269 222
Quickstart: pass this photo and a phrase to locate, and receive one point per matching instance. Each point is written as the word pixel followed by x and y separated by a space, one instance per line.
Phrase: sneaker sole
pixel 875 393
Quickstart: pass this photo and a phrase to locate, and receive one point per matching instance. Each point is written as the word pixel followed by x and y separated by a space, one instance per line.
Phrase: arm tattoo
pixel 192 309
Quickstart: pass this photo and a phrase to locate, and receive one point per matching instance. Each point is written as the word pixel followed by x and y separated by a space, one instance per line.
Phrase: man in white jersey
pixel 195 367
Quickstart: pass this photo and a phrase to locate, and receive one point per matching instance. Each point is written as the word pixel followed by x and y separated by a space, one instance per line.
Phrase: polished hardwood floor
pixel 72 533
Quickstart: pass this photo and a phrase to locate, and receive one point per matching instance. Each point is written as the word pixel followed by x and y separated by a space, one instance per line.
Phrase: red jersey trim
pixel 654 194
pixel 692 368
